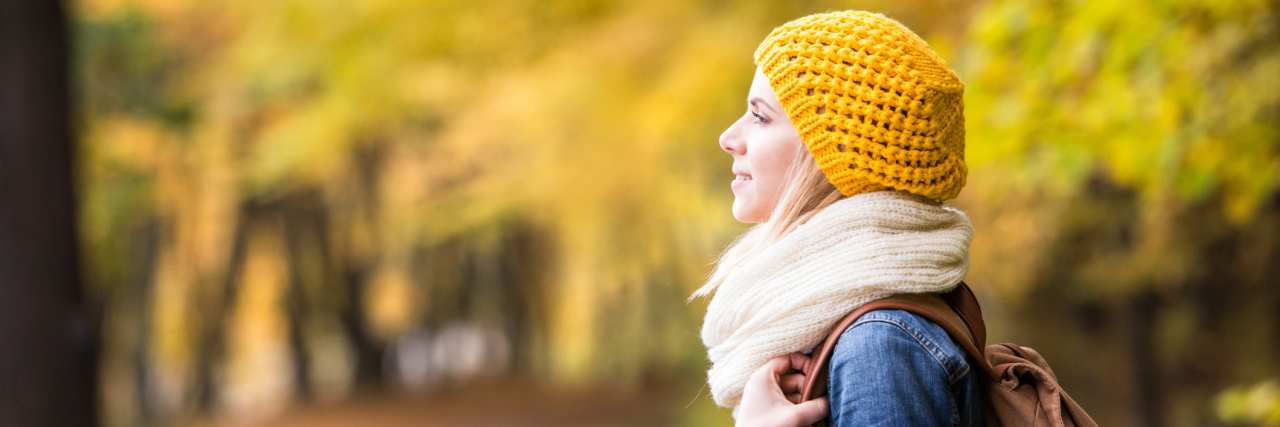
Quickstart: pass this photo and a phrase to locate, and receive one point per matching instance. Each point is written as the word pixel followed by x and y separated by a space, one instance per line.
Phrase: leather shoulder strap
pixel 965 304
pixel 957 312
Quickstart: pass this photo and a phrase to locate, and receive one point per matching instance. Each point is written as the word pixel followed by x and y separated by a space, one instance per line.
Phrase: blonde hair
pixel 806 193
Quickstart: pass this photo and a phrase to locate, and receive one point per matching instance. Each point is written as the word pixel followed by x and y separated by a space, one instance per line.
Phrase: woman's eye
pixel 759 117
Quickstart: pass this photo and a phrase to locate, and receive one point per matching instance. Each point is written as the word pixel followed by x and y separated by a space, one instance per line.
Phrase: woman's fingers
pixel 798 361
pixel 777 366
pixel 774 373
pixel 772 395
pixel 786 363
pixel 792 383
pixel 812 411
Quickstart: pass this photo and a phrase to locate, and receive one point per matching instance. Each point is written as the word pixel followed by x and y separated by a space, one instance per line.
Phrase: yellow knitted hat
pixel 874 104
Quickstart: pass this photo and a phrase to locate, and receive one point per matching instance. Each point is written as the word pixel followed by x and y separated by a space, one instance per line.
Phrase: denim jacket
pixel 893 368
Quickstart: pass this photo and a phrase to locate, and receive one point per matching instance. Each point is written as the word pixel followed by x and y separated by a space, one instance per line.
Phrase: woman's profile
pixel 853 137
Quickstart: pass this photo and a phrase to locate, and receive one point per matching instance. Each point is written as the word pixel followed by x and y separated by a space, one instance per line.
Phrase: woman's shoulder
pixel 896 368
pixel 888 338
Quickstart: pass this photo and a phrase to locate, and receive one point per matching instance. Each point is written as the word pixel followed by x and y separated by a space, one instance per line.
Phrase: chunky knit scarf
pixel 788 297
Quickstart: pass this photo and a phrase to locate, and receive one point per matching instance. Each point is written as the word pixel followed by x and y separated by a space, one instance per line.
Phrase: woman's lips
pixel 739 181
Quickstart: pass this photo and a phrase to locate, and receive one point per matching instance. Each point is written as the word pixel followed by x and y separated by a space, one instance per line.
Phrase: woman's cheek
pixel 748 205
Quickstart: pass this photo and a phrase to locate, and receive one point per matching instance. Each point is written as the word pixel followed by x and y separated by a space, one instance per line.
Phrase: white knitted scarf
pixel 788 297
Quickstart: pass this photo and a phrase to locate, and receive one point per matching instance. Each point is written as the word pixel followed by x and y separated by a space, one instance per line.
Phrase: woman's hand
pixel 772 396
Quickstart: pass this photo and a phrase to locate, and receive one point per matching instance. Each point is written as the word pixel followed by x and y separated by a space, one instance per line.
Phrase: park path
pixel 504 404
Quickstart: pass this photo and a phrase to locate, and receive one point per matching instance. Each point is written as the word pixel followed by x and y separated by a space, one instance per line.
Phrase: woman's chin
pixel 737 209
pixel 743 213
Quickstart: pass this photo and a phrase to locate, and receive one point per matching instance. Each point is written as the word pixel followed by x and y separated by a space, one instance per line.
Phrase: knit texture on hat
pixel 788 297
pixel 874 104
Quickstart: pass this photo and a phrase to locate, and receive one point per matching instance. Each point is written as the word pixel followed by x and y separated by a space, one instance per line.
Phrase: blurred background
pixel 378 212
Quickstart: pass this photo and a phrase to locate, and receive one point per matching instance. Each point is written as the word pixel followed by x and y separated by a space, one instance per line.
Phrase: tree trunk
pixel 369 352
pixel 145 245
pixel 1148 409
pixel 48 374
pixel 299 219
pixel 212 345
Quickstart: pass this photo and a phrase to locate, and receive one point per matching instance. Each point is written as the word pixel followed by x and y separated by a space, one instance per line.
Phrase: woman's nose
pixel 731 141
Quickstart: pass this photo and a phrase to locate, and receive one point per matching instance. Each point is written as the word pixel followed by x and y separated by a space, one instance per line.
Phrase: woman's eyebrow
pixel 759 100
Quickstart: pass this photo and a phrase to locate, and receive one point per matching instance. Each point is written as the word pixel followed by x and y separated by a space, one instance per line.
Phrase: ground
pixel 509 403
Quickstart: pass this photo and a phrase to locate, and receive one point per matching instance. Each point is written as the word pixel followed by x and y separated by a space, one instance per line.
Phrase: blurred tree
pixel 48 330
pixel 1258 404
pixel 280 198
pixel 1124 160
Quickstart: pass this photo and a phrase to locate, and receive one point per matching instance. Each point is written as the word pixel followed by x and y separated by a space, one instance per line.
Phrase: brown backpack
pixel 1018 387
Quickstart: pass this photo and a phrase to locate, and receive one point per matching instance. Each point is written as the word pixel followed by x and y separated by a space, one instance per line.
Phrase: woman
pixel 854 134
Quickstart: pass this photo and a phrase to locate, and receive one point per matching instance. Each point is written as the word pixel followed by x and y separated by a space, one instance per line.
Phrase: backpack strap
pixel 965 305
pixel 957 312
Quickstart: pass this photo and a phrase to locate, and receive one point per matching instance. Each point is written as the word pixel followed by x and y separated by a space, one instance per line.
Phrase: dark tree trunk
pixel 527 255
pixel 355 272
pixel 48 338
pixel 1141 325
pixel 145 245
pixel 300 226
pixel 296 308
pixel 213 334
pixel 369 352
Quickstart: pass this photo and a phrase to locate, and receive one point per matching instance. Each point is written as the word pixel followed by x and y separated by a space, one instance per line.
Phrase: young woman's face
pixel 763 144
